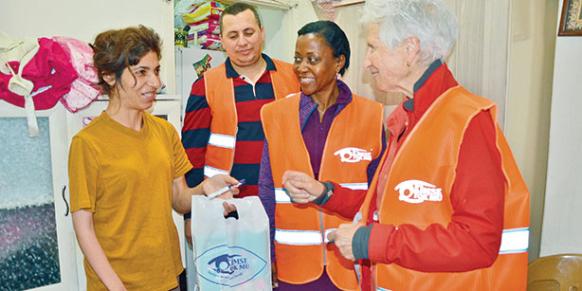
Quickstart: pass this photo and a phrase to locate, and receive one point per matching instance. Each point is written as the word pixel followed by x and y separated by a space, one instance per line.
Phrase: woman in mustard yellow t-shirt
pixel 127 171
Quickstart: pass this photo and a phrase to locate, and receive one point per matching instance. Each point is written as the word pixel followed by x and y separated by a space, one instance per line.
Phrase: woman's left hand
pixel 343 237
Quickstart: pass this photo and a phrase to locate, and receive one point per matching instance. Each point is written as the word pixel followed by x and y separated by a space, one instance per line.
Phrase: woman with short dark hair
pixel 330 133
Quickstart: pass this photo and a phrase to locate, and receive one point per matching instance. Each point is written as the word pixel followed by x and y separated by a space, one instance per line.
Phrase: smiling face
pixel 138 91
pixel 386 65
pixel 315 65
pixel 242 38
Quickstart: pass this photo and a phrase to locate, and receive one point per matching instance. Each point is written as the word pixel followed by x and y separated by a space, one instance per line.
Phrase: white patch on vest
pixel 416 191
pixel 353 155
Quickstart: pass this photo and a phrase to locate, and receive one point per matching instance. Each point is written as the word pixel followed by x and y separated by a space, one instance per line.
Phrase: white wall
pixel 271 19
pixel 282 28
pixel 83 19
pixel 562 214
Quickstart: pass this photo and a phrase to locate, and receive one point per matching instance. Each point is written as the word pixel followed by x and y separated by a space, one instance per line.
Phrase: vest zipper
pixel 321 217
pixel 322 230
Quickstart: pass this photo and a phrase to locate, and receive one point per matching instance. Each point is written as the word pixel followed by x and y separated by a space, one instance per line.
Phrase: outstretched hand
pixel 218 182
pixel 301 187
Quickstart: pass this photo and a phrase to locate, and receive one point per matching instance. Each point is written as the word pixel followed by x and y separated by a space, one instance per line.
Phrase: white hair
pixel 428 20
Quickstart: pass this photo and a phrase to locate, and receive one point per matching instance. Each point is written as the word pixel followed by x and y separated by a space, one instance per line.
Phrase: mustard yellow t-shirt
pixel 125 178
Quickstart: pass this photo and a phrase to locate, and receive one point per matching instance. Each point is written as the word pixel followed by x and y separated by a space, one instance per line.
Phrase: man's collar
pixel 232 73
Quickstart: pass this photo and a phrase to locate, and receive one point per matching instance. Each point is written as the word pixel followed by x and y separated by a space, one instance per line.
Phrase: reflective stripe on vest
pixel 210 171
pixel 301 237
pixel 382 289
pixel 355 186
pixel 515 240
pixel 222 140
pixel 282 197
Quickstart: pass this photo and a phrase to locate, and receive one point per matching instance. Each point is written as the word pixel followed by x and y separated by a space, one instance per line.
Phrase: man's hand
pixel 342 238
pixel 301 187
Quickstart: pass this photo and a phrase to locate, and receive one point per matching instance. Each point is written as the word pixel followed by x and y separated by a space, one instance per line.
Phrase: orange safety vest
pixel 354 140
pixel 224 125
pixel 421 196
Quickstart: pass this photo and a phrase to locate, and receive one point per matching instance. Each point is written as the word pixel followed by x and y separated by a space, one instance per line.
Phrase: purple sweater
pixel 314 136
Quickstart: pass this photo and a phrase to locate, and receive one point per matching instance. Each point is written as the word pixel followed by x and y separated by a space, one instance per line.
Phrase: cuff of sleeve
pixel 322 199
pixel 188 215
pixel 360 242
pixel 379 242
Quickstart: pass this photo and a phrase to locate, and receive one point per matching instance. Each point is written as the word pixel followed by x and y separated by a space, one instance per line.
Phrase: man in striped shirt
pixel 222 132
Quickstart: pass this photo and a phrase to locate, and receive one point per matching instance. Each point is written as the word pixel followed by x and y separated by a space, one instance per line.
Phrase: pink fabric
pixel 212 44
pixel 49 70
pixel 85 88
pixel 210 26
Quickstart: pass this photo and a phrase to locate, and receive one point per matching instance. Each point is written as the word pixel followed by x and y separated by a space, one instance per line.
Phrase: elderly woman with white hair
pixel 447 208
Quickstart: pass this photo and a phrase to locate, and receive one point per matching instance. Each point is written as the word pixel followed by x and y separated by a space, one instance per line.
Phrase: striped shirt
pixel 249 99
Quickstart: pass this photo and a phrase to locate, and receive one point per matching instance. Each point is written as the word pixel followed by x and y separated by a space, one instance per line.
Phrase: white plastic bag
pixel 231 254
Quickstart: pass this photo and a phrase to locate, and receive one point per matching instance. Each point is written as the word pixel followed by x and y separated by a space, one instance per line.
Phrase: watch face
pixel 329 188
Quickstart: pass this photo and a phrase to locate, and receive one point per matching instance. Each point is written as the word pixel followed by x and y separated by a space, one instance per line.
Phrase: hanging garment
pixel 34 80
pixel 22 51
pixel 85 88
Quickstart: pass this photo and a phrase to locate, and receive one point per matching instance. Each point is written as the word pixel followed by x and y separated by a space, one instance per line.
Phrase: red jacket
pixel 417 199
pixel 473 200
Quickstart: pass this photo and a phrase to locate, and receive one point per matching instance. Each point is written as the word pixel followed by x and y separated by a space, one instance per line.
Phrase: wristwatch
pixel 328 190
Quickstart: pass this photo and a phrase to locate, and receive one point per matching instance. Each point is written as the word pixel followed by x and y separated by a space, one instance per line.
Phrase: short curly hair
pixel 115 50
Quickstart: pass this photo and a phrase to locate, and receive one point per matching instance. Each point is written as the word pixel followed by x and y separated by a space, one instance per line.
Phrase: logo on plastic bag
pixel 229 266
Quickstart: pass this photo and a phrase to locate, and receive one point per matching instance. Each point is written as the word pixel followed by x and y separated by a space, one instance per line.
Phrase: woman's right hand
pixel 301 187
pixel 218 182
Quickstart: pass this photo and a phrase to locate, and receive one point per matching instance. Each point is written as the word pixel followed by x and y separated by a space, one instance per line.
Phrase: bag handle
pixel 247 207
pixel 213 208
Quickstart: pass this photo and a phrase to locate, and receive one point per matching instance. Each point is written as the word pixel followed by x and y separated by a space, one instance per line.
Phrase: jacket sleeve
pixel 267 194
pixel 196 132
pixel 344 201
pixel 472 239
